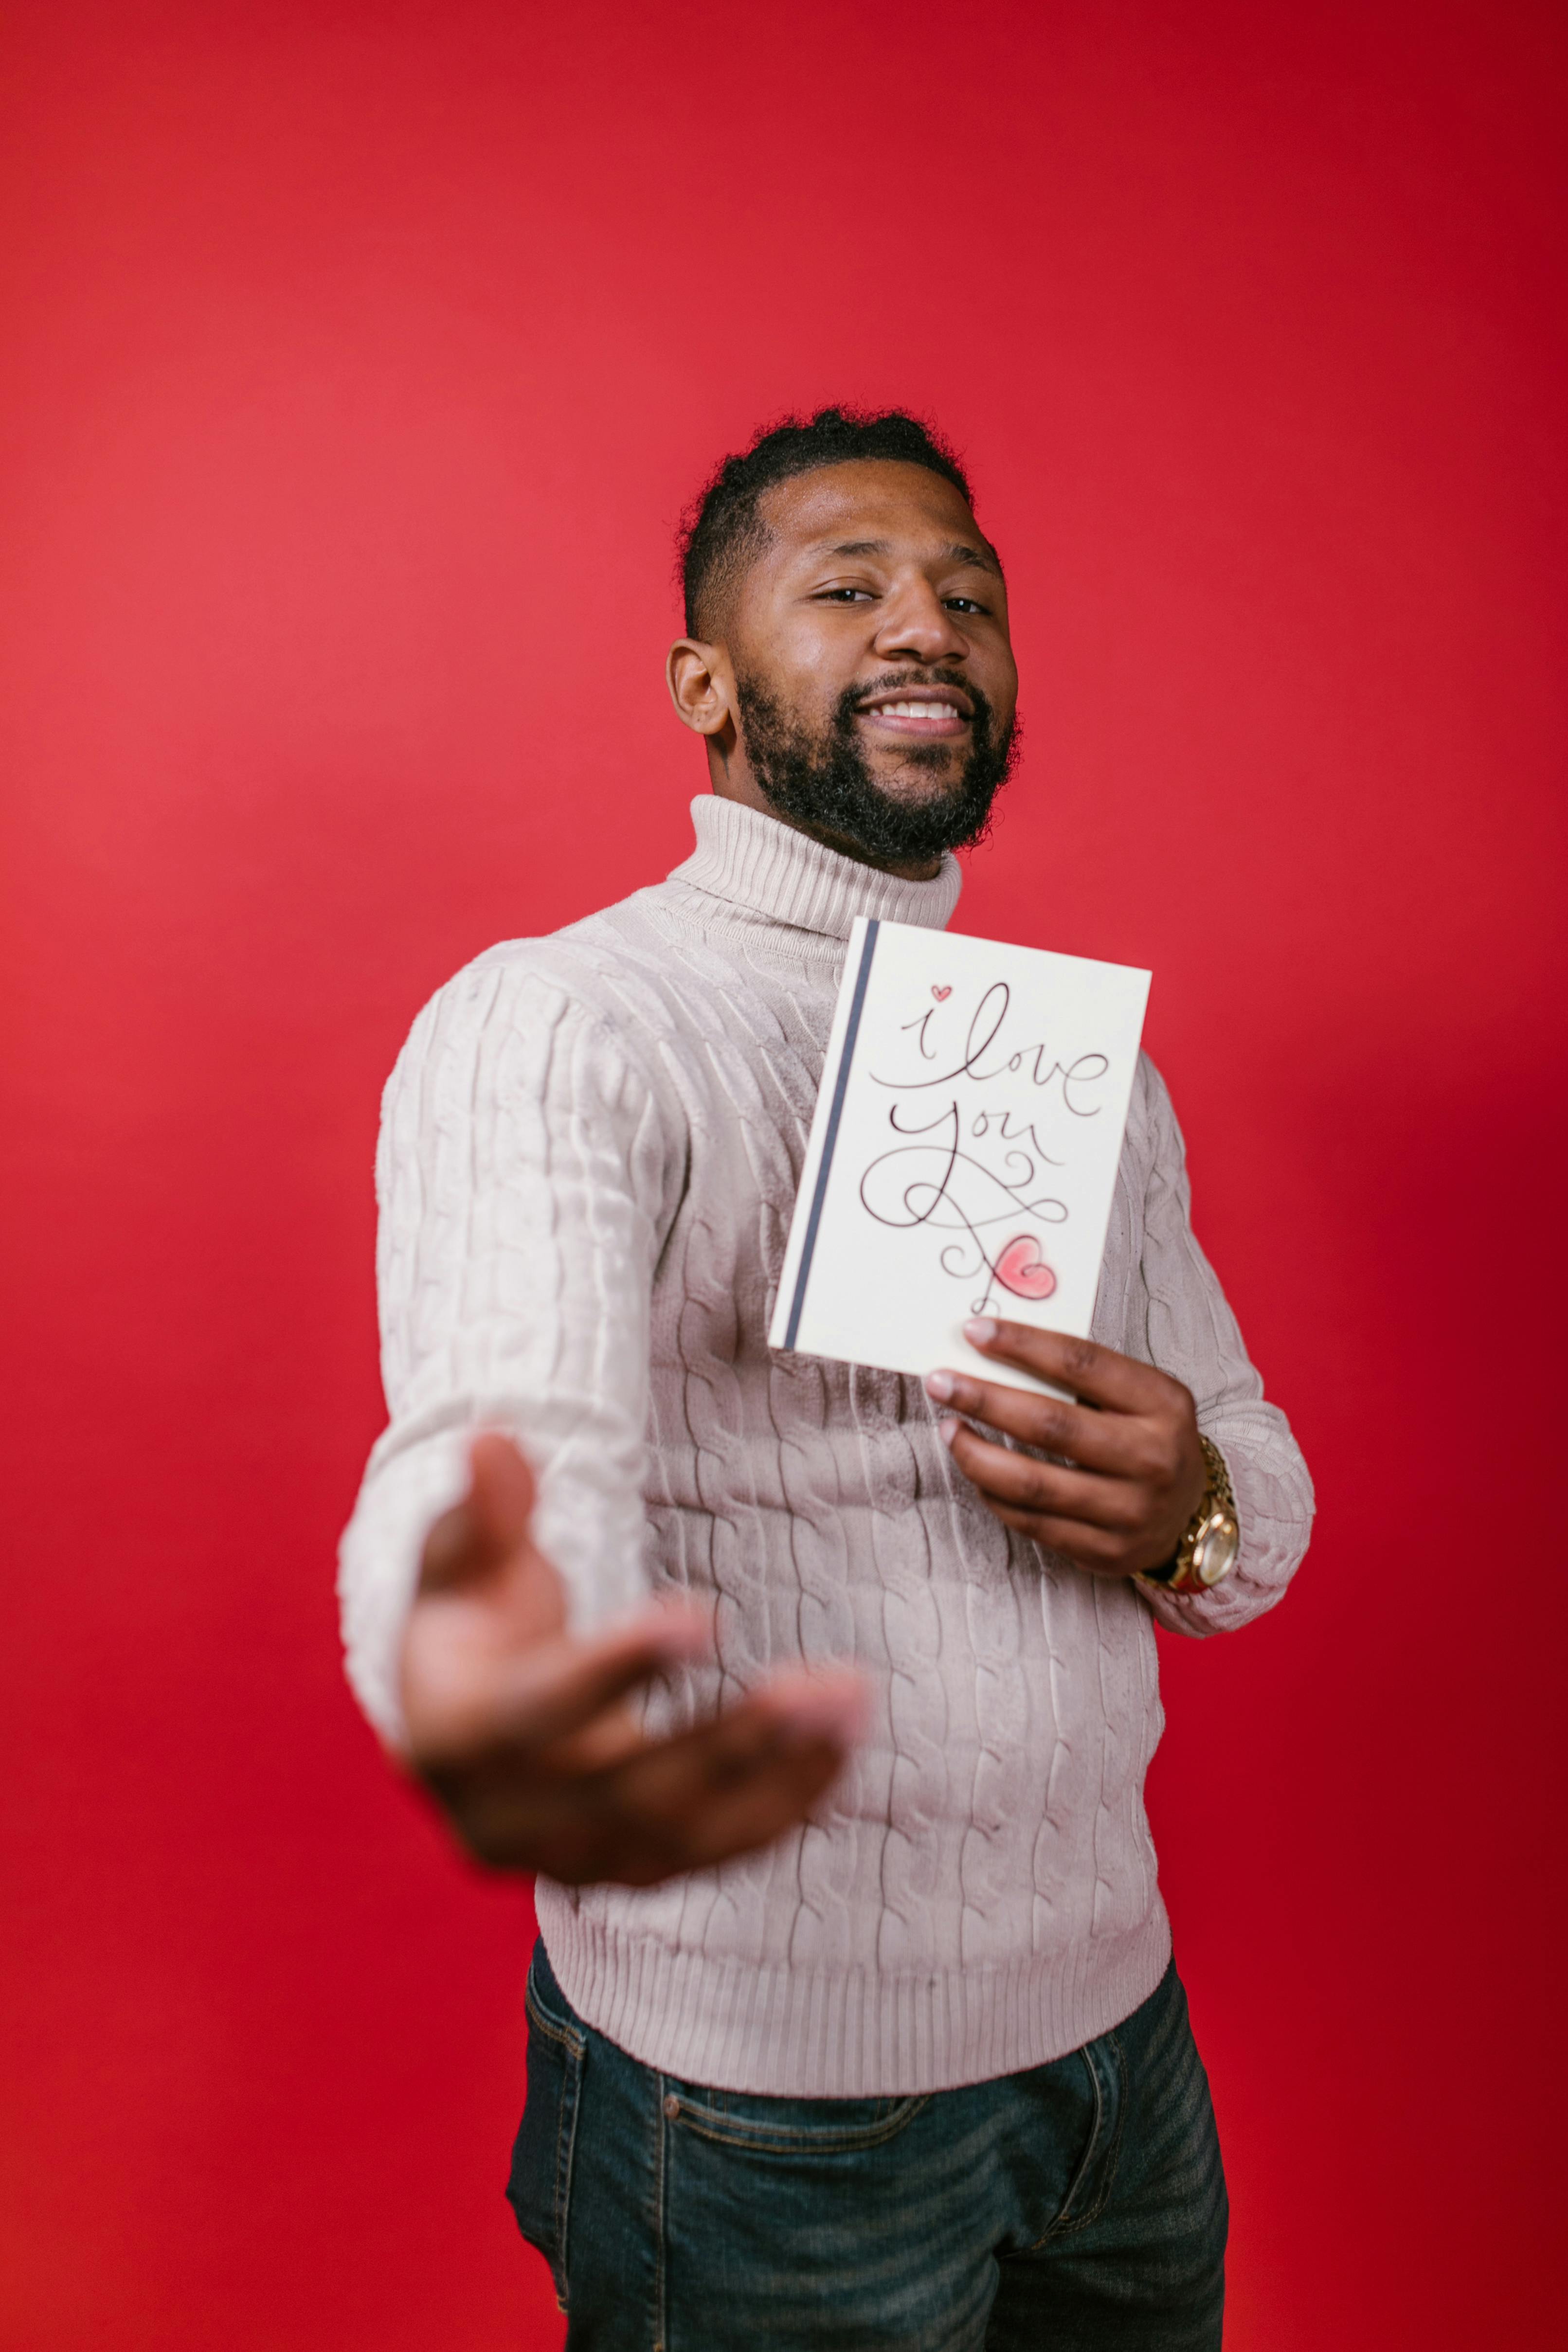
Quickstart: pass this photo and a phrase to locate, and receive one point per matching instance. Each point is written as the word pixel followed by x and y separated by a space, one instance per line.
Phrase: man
pixel 854 2021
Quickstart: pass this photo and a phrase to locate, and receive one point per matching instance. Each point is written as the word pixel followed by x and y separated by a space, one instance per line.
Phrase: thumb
pixel 501 1493
pixel 490 1523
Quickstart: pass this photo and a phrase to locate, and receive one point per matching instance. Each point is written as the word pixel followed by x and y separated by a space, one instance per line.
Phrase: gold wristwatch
pixel 1207 1551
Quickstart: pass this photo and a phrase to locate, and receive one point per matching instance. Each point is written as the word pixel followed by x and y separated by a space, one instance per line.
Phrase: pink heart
pixel 1022 1270
pixel 942 994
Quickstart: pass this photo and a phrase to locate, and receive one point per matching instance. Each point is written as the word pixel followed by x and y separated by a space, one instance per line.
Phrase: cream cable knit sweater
pixel 589 1155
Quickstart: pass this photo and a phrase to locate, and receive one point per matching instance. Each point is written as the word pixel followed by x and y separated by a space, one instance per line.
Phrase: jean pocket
pixel 796 2128
pixel 540 2186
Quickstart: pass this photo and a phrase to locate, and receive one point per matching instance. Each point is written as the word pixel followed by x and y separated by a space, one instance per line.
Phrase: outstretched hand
pixel 526 1733
pixel 1133 1471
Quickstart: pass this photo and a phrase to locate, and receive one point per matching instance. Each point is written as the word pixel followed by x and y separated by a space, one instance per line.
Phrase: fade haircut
pixel 722 531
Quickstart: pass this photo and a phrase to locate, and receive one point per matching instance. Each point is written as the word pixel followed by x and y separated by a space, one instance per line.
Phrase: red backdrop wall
pixel 358 360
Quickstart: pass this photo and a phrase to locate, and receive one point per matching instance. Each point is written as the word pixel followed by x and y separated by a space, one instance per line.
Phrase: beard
pixel 824 782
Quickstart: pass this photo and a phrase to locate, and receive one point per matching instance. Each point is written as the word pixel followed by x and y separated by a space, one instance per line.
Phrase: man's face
pixel 874 682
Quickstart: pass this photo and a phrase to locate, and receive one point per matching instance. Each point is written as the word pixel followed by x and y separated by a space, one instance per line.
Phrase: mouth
pixel 920 711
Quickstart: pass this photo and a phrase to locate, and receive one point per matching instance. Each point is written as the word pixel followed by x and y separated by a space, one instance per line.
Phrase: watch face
pixel 1214 1554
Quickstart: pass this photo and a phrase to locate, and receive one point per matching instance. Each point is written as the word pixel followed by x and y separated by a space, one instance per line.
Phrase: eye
pixel 843 595
pixel 963 604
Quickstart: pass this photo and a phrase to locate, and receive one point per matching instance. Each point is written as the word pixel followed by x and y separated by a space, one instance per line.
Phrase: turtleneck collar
pixel 755 862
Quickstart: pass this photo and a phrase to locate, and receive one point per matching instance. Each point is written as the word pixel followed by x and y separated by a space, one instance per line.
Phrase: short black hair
pixel 721 531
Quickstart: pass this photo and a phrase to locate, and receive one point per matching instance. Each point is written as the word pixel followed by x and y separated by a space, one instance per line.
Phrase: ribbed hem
pixel 806 2033
pixel 753 861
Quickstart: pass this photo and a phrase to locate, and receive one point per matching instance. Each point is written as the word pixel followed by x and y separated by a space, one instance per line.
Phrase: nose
pixel 917 624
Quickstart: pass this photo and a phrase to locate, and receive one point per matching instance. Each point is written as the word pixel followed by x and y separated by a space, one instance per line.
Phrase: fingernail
pixel 948 1425
pixel 981 1329
pixel 939 1385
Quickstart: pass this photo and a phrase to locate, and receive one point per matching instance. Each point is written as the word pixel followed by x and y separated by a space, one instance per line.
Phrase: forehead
pixel 908 509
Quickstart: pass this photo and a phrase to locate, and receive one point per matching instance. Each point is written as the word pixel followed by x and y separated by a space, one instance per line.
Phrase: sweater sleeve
pixel 1192 1334
pixel 521 1179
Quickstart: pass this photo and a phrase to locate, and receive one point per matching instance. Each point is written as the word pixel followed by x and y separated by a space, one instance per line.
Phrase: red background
pixel 357 362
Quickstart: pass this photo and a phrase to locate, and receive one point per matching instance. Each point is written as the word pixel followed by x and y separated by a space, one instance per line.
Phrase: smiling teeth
pixel 916 710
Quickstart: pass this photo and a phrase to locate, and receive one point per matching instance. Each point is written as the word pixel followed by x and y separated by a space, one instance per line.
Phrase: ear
pixel 701 684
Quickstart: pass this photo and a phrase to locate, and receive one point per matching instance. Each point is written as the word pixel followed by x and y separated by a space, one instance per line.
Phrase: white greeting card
pixel 964 1151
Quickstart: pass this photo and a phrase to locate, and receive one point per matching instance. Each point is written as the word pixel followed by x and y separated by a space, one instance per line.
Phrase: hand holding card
pixel 963 1154
pixel 1125 1465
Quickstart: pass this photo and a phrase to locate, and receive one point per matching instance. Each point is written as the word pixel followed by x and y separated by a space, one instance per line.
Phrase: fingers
pixel 590 1832
pixel 727 1785
pixel 1115 1526
pixel 776 1797
pixel 1098 1373
pixel 1133 1468
pixel 1094 1549
pixel 1118 1443
pixel 742 1776
pixel 1024 1484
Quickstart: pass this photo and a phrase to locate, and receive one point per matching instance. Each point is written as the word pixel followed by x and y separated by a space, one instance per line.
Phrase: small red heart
pixel 1022 1270
pixel 942 994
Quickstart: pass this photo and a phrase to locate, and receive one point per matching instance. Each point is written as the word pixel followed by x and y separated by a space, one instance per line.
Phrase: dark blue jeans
pixel 1079 2205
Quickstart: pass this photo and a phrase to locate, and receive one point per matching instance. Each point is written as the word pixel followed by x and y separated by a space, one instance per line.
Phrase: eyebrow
pixel 959 551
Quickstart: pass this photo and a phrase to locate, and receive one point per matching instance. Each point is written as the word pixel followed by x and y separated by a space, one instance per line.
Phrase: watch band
pixel 1212 1540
